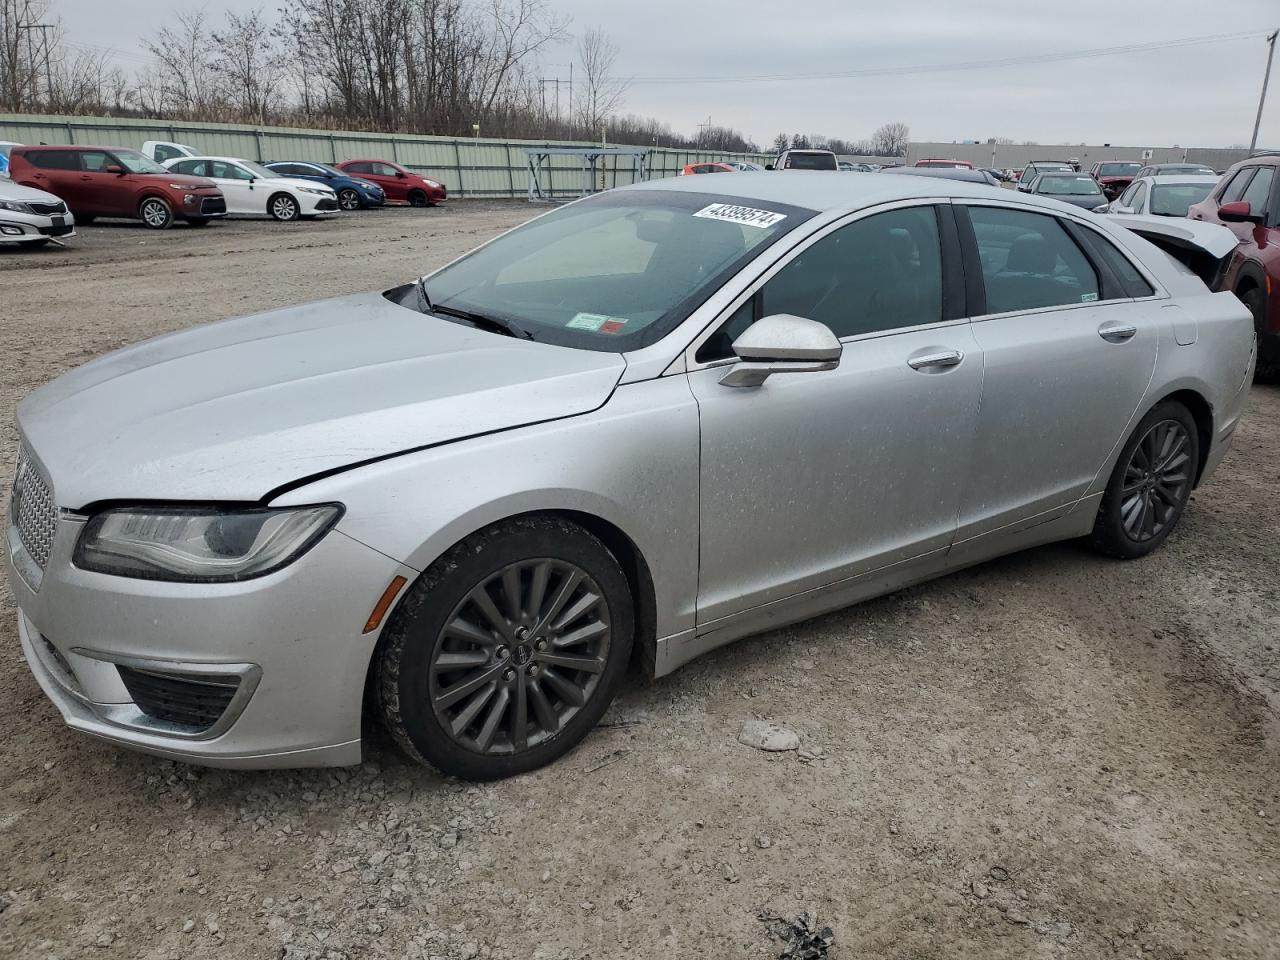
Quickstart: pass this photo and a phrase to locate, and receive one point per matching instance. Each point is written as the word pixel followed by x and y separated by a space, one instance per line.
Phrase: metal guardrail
pixel 468 167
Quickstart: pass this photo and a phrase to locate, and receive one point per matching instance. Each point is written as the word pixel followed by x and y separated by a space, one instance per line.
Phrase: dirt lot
pixel 1049 755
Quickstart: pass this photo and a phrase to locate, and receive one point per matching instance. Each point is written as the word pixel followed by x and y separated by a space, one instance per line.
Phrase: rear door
pixel 1069 348
pixel 58 172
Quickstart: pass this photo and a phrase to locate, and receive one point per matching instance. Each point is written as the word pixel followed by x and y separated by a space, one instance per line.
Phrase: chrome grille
pixel 32 509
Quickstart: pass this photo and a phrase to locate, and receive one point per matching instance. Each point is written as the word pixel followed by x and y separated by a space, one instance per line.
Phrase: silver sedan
pixel 654 421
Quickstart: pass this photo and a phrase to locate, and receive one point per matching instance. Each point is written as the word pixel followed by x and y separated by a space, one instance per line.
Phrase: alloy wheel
pixel 155 213
pixel 349 200
pixel 520 656
pixel 1157 481
pixel 284 208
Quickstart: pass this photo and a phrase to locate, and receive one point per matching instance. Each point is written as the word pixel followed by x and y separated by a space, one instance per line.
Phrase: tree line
pixel 443 67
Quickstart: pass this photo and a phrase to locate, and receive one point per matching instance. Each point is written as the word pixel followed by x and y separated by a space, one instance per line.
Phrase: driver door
pixel 814 478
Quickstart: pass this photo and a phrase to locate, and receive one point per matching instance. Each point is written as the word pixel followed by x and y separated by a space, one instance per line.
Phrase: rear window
pixel 810 161
pixel 53 159
pixel 1173 200
pixel 1118 169
pixel 1075 186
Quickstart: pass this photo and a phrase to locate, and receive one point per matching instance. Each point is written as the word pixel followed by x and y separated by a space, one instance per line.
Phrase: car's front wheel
pixel 156 213
pixel 508 650
pixel 283 207
pixel 417 198
pixel 1150 485
pixel 348 199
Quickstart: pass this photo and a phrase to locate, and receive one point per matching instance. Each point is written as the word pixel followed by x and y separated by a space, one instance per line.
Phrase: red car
pixel 1247 201
pixel 1114 176
pixel 716 167
pixel 114 182
pixel 400 185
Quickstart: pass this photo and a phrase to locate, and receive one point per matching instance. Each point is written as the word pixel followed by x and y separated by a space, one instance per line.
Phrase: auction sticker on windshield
pixel 746 216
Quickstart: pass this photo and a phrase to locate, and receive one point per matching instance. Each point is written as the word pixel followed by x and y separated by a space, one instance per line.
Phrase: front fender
pixel 632 463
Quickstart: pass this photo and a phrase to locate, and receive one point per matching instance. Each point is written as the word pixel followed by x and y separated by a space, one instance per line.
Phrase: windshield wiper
pixel 496 324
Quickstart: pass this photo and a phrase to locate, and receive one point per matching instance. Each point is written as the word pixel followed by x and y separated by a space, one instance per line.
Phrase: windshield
pixel 135 162
pixel 613 272
pixel 1172 200
pixel 1079 185
pixel 1118 169
pixel 810 161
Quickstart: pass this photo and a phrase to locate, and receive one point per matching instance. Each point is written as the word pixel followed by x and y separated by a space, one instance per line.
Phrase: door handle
pixel 1114 331
pixel 947 358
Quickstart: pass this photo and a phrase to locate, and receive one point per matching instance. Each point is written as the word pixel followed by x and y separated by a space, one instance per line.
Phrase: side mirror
pixel 119 170
pixel 1123 210
pixel 782 343
pixel 400 174
pixel 1238 211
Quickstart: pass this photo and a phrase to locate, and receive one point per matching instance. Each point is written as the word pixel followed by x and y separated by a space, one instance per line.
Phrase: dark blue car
pixel 353 193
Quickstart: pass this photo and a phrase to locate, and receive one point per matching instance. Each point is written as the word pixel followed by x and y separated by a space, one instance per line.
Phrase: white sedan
pixel 32 218
pixel 251 188
pixel 1165 196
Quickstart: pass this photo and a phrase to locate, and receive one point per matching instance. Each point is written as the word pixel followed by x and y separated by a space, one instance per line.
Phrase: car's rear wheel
pixel 1151 483
pixel 418 198
pixel 283 207
pixel 156 213
pixel 507 651
pixel 348 199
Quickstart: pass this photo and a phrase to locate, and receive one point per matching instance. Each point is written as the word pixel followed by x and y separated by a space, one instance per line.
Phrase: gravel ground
pixel 1048 755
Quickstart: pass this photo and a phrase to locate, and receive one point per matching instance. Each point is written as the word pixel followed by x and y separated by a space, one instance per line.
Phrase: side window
pixel 361 168
pixel 1134 283
pixel 1127 196
pixel 163 153
pixel 183 167
pixel 54 159
pixel 883 272
pixel 1029 261
pixel 1139 197
pixel 94 161
pixel 1235 189
pixel 1259 190
pixel 230 171
pixel 384 169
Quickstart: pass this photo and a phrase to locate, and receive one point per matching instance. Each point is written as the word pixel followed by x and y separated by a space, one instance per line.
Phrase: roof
pixel 1172 178
pixel 833 190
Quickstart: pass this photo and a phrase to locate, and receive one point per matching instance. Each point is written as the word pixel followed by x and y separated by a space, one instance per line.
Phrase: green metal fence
pixel 468 167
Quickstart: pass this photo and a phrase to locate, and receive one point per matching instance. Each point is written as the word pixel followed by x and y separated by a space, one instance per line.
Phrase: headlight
pixel 1101 207
pixel 435 185
pixel 179 186
pixel 14 205
pixel 200 545
pixel 318 191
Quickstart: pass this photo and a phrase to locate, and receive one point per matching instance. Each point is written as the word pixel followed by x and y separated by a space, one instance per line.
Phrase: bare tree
pixel 890 140
pixel 184 82
pixel 248 64
pixel 601 91
pixel 24 55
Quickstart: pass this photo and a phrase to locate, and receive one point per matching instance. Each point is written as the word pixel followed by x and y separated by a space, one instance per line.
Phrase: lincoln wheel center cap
pixel 523 654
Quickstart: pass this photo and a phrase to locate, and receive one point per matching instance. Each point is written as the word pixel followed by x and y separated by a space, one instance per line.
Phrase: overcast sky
pixel 1194 95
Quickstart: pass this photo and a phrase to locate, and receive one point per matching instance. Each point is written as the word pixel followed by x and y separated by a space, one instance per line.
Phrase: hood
pixel 233 410
pixel 1088 201
pixel 298 182
pixel 13 191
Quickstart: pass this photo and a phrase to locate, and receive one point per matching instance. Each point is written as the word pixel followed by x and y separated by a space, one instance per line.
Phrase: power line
pixel 1028 60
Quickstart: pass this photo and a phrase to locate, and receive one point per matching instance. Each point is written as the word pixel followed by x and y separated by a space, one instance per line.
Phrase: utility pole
pixel 29 27
pixel 702 129
pixel 1266 78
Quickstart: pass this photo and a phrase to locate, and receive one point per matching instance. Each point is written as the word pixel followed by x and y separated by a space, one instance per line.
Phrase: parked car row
pixel 46 190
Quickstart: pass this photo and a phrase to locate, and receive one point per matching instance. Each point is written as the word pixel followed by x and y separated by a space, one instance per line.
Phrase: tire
pixel 1150 485
pixel 155 213
pixel 418 199
pixel 1268 369
pixel 348 199
pixel 282 207
pixel 198 221
pixel 499 656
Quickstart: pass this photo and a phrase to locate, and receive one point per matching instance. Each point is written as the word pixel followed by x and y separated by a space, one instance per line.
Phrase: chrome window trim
pixel 751 286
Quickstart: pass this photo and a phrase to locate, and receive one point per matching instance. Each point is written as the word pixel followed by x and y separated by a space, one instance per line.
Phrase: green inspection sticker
pixel 1088 297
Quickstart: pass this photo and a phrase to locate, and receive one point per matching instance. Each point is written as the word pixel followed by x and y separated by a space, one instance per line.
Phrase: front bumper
pixel 291 643
pixel 310 203
pixel 23 228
